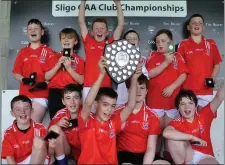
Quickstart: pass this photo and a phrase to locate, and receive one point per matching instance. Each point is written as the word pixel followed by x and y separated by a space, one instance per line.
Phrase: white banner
pixel 130 8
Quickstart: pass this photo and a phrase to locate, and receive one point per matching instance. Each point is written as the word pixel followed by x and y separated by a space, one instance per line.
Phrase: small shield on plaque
pixel 122 58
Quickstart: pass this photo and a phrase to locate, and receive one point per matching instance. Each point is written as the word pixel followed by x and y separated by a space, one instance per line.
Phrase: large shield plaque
pixel 122 59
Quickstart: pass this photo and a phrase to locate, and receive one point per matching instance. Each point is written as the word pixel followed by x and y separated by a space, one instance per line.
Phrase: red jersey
pixel 155 99
pixel 200 59
pixel 18 144
pixel 62 77
pixel 31 60
pixel 136 129
pixel 200 127
pixel 94 50
pixel 98 140
pixel 71 134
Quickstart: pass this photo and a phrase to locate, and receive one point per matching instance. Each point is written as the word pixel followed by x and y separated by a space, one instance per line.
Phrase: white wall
pixel 217 130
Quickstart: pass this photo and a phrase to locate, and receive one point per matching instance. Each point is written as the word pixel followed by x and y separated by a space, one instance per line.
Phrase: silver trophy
pixel 122 59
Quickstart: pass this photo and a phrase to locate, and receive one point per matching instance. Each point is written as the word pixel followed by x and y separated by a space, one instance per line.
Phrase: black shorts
pixel 54 101
pixel 134 158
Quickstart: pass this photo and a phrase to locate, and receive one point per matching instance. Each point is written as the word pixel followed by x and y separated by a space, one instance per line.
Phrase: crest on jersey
pixel 201 129
pixel 145 125
pixel 112 133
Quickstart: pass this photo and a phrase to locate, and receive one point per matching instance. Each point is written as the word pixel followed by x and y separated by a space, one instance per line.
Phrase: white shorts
pixel 171 113
pixel 28 159
pixel 203 100
pixel 84 95
pixel 198 156
pixel 42 101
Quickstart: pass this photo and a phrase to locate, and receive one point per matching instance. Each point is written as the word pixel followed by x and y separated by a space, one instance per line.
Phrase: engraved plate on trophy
pixel 122 59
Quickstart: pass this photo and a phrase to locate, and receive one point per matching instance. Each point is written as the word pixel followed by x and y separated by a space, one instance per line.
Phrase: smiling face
pixel 68 41
pixel 22 112
pixel 100 31
pixel 196 26
pixel 72 101
pixel 34 32
pixel 105 107
pixel 187 108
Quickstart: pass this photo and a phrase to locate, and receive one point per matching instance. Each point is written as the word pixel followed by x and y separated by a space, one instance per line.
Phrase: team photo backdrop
pixel 146 17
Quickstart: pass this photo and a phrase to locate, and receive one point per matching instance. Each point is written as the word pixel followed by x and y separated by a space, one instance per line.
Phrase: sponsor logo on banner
pixel 24 42
pixel 130 8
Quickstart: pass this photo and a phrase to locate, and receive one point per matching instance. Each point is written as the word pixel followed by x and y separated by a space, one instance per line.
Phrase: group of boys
pixel 51 80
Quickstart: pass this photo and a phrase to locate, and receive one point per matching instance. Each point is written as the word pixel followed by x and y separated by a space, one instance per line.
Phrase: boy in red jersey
pixel 94 43
pixel 98 131
pixel 191 132
pixel 136 143
pixel 72 99
pixel 22 142
pixel 61 70
pixel 30 60
pixel 167 72
pixel 202 58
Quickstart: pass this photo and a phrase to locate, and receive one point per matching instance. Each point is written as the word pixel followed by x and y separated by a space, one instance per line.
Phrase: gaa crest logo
pixel 145 125
pixel 112 133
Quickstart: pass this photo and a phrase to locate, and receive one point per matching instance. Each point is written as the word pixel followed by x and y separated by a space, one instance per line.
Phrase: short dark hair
pixel 185 93
pixel 101 20
pixel 130 31
pixel 164 31
pixel 193 16
pixel 71 33
pixel 105 91
pixel 22 98
pixel 141 80
pixel 72 88
pixel 35 21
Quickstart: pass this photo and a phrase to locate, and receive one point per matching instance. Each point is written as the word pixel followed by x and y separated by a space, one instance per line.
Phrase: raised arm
pixel 94 90
pixel 81 19
pixel 124 114
pixel 218 99
pixel 119 29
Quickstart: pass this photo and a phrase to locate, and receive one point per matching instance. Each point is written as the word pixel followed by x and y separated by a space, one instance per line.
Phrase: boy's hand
pixel 52 143
pixel 169 57
pixel 168 91
pixel 102 65
pixel 61 61
pixel 67 63
pixel 203 143
pixel 63 122
pixel 138 72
